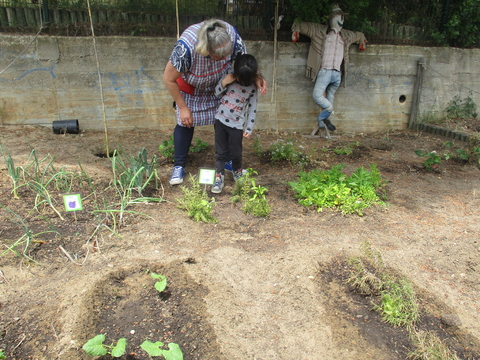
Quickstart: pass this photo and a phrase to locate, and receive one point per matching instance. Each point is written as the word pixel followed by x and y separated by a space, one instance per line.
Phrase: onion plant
pixel 20 246
pixel 15 172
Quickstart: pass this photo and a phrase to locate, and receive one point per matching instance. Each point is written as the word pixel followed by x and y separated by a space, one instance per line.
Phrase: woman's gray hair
pixel 213 38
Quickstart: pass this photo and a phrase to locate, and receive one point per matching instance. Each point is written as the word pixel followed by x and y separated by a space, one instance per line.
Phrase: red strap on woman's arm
pixel 184 86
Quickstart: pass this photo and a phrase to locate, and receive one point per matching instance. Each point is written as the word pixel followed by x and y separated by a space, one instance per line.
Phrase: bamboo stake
pixel 274 76
pixel 178 22
pixel 107 150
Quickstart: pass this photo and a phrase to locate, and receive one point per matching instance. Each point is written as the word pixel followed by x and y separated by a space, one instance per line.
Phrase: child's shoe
pixel 218 185
pixel 238 174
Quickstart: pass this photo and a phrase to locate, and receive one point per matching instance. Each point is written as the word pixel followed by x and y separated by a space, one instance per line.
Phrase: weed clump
pixel 429 346
pixel 395 300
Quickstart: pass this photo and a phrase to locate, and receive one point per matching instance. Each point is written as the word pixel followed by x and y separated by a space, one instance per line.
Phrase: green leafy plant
pixel 196 202
pixel 2 355
pixel 463 154
pixel 167 148
pixel 96 347
pixel 333 189
pixel 476 152
pixel 154 349
pixel 257 146
pixel 398 304
pixel 346 150
pixel 161 284
pixel 252 195
pixel 288 151
pixel 462 109
pixel 432 159
pixel 198 145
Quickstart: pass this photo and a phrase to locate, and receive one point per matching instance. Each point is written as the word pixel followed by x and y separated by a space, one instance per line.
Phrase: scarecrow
pixel 328 59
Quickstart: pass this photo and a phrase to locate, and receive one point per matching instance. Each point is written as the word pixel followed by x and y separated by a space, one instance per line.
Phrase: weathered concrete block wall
pixel 56 78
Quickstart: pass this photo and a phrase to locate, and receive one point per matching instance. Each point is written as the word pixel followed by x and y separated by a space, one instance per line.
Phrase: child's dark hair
pixel 245 69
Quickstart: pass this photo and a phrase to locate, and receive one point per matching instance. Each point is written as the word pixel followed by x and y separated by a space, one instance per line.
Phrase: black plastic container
pixel 65 127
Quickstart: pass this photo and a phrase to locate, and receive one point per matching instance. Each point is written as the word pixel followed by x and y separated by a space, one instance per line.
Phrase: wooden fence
pixel 126 23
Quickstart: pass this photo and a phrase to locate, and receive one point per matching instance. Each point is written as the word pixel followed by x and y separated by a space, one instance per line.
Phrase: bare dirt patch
pixel 246 287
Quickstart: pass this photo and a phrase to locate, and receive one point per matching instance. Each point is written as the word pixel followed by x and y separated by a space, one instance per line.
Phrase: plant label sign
pixel 72 202
pixel 206 176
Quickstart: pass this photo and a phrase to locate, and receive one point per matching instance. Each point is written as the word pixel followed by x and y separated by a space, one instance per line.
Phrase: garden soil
pixel 245 287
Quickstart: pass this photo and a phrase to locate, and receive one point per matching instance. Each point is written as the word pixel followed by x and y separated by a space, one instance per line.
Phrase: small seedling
pixel 463 154
pixel 432 161
pixel 96 347
pixel 257 146
pixel 198 145
pixel 347 150
pixel 154 349
pixel 161 284
pixel 252 195
pixel 288 151
pixel 167 148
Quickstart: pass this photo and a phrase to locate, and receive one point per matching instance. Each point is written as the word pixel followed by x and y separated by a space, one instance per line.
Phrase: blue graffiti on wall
pixel 130 88
pixel 49 69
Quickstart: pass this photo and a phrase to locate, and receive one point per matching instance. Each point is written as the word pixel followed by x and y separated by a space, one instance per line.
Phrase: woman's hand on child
pixel 228 79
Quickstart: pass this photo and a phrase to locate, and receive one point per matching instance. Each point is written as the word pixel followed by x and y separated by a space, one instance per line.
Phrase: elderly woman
pixel 200 58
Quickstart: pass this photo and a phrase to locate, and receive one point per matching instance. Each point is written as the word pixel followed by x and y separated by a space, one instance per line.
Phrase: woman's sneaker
pixel 218 185
pixel 177 175
pixel 238 174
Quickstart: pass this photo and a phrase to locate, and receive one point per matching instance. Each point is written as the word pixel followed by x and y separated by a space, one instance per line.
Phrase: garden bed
pixel 245 287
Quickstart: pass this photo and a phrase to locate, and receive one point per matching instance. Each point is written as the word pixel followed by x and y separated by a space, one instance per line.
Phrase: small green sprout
pixel 161 284
pixel 96 347
pixel 153 349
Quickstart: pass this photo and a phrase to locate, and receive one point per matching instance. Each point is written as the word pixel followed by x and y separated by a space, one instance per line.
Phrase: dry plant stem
pixel 54 332
pixel 71 259
pixel 20 343
pixel 107 150
pixel 2 275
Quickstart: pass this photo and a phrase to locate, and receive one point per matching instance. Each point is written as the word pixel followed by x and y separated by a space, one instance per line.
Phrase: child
pixel 236 111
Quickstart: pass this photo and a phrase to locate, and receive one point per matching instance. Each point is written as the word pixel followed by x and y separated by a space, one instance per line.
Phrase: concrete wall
pixel 55 78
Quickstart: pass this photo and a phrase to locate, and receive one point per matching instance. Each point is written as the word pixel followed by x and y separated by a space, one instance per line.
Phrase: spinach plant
pixel 333 189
